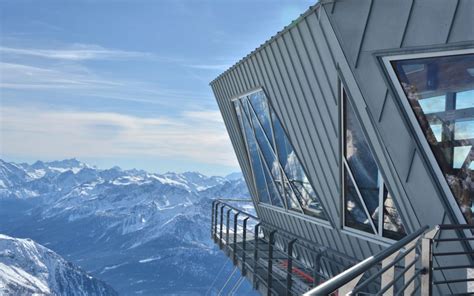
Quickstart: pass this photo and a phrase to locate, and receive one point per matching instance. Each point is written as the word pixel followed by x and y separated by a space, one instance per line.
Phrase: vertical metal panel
pixel 350 20
pixel 463 23
pixel 430 22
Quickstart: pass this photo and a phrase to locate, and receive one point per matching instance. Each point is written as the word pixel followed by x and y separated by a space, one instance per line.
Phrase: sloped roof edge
pixel 310 10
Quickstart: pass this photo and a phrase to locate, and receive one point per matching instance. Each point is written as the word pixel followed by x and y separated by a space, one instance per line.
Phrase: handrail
pixel 359 269
pixel 225 202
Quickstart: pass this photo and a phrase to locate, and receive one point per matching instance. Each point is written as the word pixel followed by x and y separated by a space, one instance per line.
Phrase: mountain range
pixel 141 233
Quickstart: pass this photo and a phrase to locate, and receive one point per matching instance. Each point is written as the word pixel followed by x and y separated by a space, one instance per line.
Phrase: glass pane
pixel 295 172
pixel 451 78
pixel 433 105
pixel 281 161
pixel 260 105
pixel 354 213
pixel 361 162
pixel 254 157
pixel 392 222
pixel 274 194
pixel 273 164
pixel 464 129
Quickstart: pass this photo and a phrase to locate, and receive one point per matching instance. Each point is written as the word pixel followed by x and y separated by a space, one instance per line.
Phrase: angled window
pixel 440 91
pixel 364 190
pixel 277 170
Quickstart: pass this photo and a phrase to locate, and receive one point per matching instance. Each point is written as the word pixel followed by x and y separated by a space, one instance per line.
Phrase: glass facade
pixel 440 91
pixel 364 190
pixel 278 173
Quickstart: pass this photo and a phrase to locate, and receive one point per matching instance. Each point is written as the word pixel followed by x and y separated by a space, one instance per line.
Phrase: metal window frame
pixel 283 174
pixel 413 121
pixel 287 180
pixel 378 234
pixel 312 218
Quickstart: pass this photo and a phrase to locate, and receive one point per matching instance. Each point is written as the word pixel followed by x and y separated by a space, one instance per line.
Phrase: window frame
pixel 308 217
pixel 413 121
pixel 377 226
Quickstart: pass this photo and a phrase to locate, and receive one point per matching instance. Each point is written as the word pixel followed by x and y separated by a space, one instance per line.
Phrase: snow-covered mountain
pixel 27 268
pixel 141 232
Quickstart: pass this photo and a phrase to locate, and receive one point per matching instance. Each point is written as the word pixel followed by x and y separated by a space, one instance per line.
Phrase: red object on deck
pixel 303 274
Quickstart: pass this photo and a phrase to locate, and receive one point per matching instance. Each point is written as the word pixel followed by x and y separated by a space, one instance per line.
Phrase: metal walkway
pixel 416 265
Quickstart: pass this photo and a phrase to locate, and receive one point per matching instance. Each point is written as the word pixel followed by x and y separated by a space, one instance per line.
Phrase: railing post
pixel 227 229
pixel 271 241
pixel 244 245
pixel 427 262
pixel 289 267
pixel 220 230
pixel 255 256
pixel 316 269
pixel 234 251
pixel 215 203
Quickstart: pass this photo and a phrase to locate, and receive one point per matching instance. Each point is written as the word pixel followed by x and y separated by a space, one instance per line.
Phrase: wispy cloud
pixel 77 52
pixel 82 81
pixel 221 67
pixel 54 134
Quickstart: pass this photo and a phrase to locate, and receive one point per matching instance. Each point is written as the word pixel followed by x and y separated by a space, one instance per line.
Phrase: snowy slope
pixel 27 268
pixel 141 232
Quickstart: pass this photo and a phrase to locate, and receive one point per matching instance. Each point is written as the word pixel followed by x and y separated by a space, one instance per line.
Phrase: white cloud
pixel 82 81
pixel 214 116
pixel 221 67
pixel 77 52
pixel 47 134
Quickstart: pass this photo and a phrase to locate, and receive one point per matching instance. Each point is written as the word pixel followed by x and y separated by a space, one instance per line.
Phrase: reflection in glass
pixel 361 162
pixel 355 215
pixel 392 222
pixel 279 160
pixel 254 157
pixel 260 105
pixel 364 190
pixel 450 78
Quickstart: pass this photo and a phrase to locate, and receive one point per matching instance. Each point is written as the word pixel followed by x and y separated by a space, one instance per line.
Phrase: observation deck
pixel 271 259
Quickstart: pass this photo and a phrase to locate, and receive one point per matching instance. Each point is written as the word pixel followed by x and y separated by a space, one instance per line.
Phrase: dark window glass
pixel 392 222
pixel 364 190
pixel 355 214
pixel 441 94
pixel 361 163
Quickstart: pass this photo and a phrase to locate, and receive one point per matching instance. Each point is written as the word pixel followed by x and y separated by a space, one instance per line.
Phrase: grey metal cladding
pixel 299 70
pixel 426 24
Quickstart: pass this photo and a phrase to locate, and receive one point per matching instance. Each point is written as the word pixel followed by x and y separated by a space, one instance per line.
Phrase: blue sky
pixel 125 82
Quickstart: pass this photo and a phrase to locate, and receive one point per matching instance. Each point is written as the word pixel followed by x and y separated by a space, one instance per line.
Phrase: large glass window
pixel 440 90
pixel 278 173
pixel 364 190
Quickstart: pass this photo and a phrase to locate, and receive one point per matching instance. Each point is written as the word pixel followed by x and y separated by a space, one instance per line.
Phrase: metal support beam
pixel 427 262
pixel 271 241
pixel 234 244
pixel 316 269
pixel 255 256
pixel 244 246
pixel 227 229
pixel 220 230
pixel 289 270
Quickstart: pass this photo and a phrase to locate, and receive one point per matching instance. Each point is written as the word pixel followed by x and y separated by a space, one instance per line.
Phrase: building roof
pixel 310 10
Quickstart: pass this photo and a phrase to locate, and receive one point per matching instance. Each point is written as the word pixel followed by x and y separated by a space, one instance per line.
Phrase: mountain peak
pixel 28 268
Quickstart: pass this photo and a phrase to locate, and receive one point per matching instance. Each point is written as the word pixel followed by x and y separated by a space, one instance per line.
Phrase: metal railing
pixel 419 263
pixel 408 266
pixel 276 258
